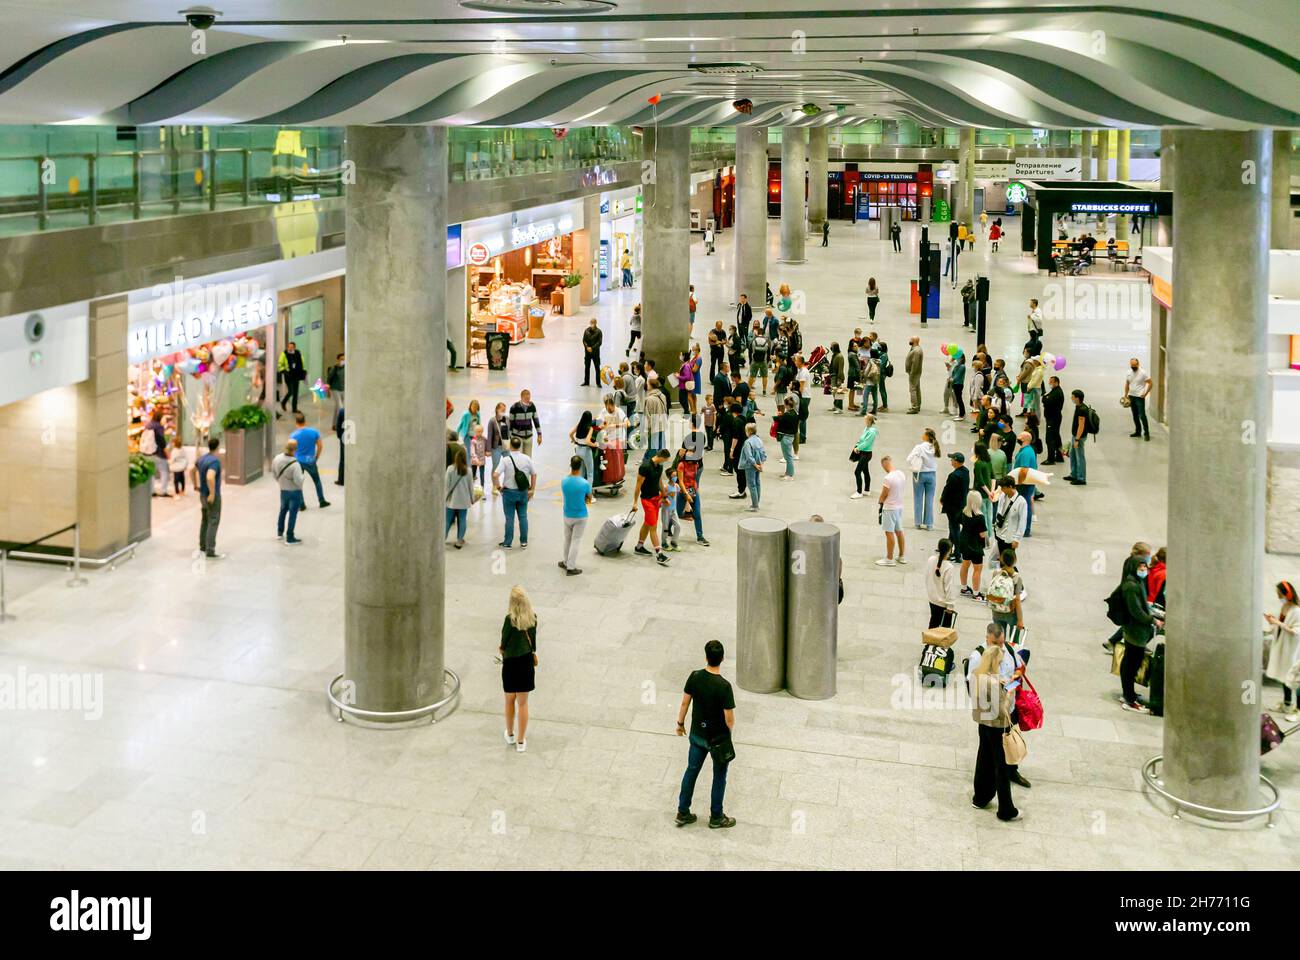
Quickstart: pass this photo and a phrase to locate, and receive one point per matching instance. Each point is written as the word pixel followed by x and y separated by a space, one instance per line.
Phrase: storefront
pixel 905 191
pixel 620 219
pixel 1057 212
pixel 518 268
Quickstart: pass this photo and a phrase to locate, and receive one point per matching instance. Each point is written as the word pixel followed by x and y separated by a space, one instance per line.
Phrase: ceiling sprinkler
pixel 744 105
pixel 811 109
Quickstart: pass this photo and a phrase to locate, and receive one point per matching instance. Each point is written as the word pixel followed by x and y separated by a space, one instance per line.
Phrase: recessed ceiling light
pixel 556 7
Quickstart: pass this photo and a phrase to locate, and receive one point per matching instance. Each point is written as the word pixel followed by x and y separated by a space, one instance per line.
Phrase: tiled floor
pixel 215 747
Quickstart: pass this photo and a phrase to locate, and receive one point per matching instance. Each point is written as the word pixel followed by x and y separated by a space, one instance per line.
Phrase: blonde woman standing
pixel 518 664
pixel 992 712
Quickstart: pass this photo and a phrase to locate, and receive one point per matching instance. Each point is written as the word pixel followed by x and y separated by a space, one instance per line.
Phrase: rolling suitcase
pixel 613 470
pixel 612 534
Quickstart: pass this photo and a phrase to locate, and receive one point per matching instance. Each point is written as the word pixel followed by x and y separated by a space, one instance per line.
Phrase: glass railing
pixel 491 153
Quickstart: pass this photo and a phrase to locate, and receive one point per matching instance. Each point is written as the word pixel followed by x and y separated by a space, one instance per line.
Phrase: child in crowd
pixel 710 422
pixel 478 454
pixel 668 511
pixel 178 464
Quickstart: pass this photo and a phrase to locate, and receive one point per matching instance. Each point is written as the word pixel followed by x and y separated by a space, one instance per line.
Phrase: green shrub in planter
pixel 248 417
pixel 572 279
pixel 142 468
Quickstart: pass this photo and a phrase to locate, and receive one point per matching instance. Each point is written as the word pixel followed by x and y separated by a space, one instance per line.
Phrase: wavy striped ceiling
pixel 983 63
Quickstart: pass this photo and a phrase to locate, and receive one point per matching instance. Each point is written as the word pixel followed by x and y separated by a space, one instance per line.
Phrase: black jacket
pixel 1053 404
pixel 591 338
pixel 295 371
pixel 1137 629
pixel 744 316
pixel 953 497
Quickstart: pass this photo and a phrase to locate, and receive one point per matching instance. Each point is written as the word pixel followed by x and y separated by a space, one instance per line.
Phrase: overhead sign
pixel 1017 193
pixel 479 254
pixel 1048 168
pixel 910 175
pixel 183 315
pixel 993 171
pixel 539 231
pixel 1110 208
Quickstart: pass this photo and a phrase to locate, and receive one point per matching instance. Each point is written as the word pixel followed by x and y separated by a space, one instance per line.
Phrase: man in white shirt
pixel 802 386
pixel 1010 515
pixel 1034 320
pixel 1137 385
pixel 514 496
pixel 891 512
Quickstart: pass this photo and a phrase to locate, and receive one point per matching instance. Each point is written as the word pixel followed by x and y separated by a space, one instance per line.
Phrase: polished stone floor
pixel 215 747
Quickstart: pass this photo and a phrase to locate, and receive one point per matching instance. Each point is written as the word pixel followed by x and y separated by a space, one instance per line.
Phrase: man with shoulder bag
pixel 713 717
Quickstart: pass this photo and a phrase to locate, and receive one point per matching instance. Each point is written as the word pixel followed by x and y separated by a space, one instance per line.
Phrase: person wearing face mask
pixel 1284 650
pixel 1138 629
pixel 1137 385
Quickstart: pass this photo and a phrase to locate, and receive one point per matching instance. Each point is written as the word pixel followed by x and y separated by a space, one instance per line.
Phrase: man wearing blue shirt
pixel 309 447
pixel 577 494
pixel 209 467
pixel 1027 456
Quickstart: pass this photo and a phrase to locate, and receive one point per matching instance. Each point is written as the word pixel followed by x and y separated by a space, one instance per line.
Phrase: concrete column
pixel 794 167
pixel 966 164
pixel 1212 679
pixel 396 293
pixel 666 273
pixel 1103 154
pixel 1123 140
pixel 1168 164
pixel 102 420
pixel 1085 154
pixel 751 213
pixel 1281 232
pixel 818 149
pixel 586 251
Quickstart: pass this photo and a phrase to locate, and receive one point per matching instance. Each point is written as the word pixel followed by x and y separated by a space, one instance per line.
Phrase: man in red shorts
pixel 649 479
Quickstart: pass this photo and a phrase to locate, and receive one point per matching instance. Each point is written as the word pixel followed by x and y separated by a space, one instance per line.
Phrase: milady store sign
pixel 182 315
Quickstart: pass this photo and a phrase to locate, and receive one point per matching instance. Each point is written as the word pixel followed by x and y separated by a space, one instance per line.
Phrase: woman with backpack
pixel 974 538
pixel 518 649
pixel 861 457
pixel 923 462
pixel 1138 629
pixel 941 585
pixel 460 495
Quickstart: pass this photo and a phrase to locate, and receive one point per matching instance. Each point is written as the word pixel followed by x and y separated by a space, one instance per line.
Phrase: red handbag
pixel 1029 708
pixel 773 431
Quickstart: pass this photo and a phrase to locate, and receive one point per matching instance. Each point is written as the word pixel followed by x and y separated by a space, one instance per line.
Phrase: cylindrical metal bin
pixel 760 604
pixel 812 609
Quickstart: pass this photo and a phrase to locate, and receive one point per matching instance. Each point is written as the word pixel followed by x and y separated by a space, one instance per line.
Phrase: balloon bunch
pixel 1055 362
pixel 223 356
pixel 950 349
pixel 319 390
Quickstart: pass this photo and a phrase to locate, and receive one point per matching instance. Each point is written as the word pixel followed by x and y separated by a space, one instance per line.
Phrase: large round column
pixel 1085 154
pixel 812 610
pixel 1103 154
pixel 794 167
pixel 966 170
pixel 751 214
pixel 396 345
pixel 666 269
pixel 760 604
pixel 1216 543
pixel 818 153
pixel 1281 231
pixel 1168 166
pixel 1122 149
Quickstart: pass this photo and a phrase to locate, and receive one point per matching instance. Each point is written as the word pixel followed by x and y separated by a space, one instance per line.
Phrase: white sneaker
pixel 885 562
pixel 796 456
pixel 510 737
pixel 521 746
pixel 786 476
pixel 855 496
pixel 901 560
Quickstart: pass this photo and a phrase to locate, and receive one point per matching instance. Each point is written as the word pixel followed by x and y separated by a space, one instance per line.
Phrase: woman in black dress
pixel 518 663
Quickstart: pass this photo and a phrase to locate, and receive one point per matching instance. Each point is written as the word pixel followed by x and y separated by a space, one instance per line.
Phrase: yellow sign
pixel 1162 290
pixel 289 143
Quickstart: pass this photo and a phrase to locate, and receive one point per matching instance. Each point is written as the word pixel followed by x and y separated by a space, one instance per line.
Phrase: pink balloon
pixel 1060 363
pixel 943 348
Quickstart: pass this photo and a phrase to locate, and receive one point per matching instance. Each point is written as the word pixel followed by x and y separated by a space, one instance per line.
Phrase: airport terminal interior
pixel 260 610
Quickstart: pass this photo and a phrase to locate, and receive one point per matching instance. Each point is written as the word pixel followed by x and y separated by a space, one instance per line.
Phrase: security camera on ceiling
pixel 200 18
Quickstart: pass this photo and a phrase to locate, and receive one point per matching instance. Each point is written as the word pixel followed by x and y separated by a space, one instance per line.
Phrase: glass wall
pixel 488 153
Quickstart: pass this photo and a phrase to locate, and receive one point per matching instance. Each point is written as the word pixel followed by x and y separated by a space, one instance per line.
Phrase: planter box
pixel 570 301
pixel 140 512
pixel 245 454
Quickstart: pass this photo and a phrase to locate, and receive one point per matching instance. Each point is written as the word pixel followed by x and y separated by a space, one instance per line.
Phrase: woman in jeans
pixel 882 384
pixel 862 465
pixel 873 298
pixel 1139 627
pixel 924 462
pixel 498 435
pixel 583 438
pixel 787 428
pixel 460 496
pixel 685 383
pixel 751 460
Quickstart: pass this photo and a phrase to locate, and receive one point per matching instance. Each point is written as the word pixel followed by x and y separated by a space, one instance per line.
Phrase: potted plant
pixel 140 473
pixel 570 286
pixel 245 440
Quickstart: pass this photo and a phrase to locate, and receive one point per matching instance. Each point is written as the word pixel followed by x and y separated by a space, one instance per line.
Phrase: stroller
pixel 819 366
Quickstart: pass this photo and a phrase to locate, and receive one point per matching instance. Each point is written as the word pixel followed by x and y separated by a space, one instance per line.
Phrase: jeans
pixel 694 764
pixel 1078 460
pixel 752 475
pixel 1138 407
pixel 1027 491
pixel 883 386
pixel 862 472
pixel 787 450
pixel 515 502
pixel 311 470
pixel 655 443
pixel 804 403
pixel 573 527
pixel 992 775
pixel 627 278
pixel 1034 402
pixel 585 453
pixel 459 516
pixel 871 390
pixel 923 498
pixel 954 529
pixel 695 511
pixel 290 503
pixel 208 523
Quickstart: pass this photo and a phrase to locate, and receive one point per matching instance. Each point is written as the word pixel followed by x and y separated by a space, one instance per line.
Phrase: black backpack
pixel 1094 422
pixel 1117 607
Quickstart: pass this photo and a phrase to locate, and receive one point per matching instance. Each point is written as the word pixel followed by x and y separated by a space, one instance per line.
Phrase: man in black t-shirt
pixel 647 494
pixel 712 703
